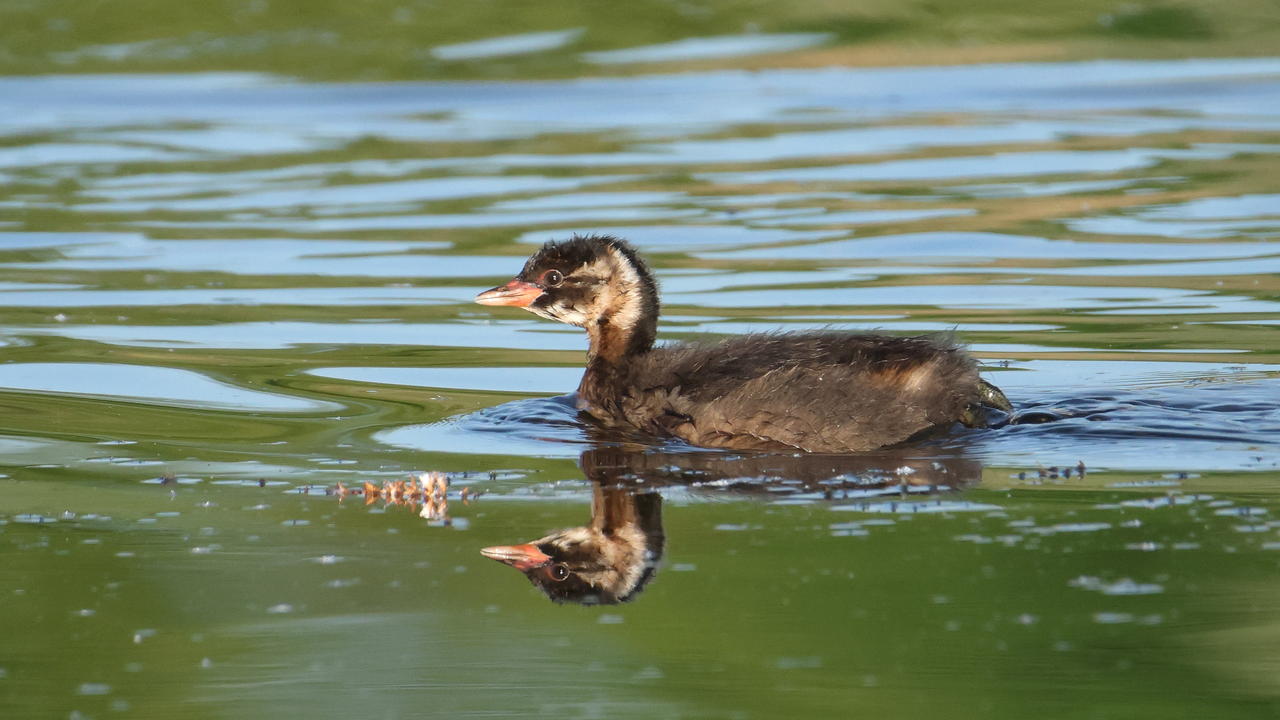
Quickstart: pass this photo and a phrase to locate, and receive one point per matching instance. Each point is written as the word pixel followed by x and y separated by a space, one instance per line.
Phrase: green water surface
pixel 236 269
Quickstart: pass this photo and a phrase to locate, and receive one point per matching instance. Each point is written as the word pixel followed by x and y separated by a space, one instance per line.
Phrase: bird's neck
pixel 627 327
pixel 624 330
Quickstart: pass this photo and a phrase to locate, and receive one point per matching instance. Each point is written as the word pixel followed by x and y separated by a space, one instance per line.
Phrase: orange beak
pixel 516 293
pixel 520 557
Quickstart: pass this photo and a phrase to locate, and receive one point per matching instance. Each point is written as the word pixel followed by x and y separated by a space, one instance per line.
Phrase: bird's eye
pixel 559 572
pixel 553 278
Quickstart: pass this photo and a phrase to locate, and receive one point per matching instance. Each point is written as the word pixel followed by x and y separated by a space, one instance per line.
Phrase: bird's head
pixel 585 281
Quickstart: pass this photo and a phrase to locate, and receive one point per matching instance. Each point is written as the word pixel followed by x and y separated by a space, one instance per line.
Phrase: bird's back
pixel 818 392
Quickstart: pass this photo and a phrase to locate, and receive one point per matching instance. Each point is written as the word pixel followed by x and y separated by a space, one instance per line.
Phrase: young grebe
pixel 822 392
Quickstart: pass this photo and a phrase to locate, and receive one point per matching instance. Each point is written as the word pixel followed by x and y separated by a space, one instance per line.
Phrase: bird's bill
pixel 516 293
pixel 521 557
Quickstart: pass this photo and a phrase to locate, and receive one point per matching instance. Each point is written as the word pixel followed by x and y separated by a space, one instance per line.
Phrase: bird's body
pixel 825 392
pixel 818 392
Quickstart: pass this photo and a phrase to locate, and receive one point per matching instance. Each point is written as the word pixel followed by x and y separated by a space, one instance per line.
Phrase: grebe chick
pixel 821 392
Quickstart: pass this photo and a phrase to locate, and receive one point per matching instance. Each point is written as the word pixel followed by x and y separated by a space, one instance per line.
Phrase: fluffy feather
pixel 826 392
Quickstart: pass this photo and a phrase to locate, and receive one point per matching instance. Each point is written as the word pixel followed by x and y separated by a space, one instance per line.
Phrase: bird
pixel 816 391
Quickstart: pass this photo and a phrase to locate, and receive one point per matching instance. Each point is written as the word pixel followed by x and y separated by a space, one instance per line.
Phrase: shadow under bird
pixel 821 392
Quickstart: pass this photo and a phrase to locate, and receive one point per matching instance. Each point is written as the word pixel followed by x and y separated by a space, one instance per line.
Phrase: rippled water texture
pixel 224 293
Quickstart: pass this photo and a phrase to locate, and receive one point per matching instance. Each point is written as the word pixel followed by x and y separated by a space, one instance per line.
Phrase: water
pixel 225 293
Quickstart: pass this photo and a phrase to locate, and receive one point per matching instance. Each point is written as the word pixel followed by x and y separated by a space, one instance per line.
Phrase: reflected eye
pixel 553 278
pixel 559 572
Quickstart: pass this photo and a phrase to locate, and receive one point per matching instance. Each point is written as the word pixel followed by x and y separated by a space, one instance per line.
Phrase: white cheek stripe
pixel 615 273
pixel 559 313
pixel 628 313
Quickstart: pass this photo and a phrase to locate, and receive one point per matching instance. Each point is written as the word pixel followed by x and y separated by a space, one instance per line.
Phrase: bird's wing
pixel 821 409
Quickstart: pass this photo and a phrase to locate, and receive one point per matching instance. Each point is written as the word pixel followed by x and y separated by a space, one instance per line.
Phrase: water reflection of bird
pixel 603 563
pixel 827 392
pixel 614 558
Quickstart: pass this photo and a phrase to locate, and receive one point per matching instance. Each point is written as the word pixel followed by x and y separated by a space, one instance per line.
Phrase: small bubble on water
pixel 93 689
pixel 33 519
pixel 650 673
pixel 809 662
pixel 1112 618
pixel 1241 511
pixel 610 619
pixel 280 609
pixel 1123 586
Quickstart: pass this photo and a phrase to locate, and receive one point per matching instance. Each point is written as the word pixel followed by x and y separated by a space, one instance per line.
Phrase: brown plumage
pixel 827 392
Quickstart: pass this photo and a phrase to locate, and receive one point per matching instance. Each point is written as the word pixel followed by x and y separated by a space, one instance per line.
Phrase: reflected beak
pixel 520 557
pixel 516 293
